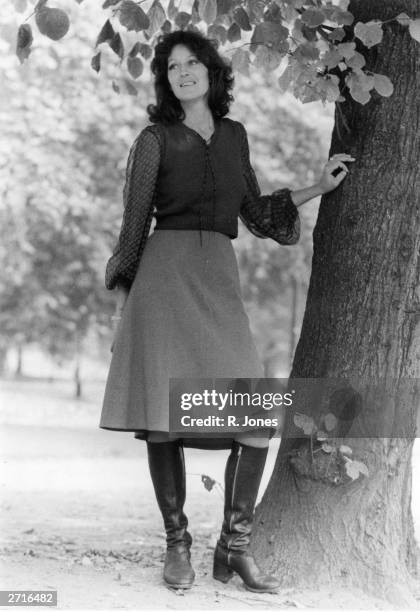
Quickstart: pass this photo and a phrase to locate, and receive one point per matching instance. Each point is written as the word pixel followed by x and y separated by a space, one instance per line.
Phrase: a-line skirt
pixel 184 318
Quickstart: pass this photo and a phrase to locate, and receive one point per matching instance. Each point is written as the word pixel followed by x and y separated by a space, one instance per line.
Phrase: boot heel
pixel 222 572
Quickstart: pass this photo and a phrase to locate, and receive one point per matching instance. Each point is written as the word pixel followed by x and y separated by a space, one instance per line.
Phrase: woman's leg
pixel 167 469
pixel 244 469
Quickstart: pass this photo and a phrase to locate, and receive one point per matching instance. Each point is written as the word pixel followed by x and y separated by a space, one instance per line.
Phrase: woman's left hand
pixel 328 181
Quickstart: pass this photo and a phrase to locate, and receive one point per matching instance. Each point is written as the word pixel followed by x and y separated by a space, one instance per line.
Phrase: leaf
pixel 52 22
pixel 167 26
pixel 332 58
pixel 109 3
pixel 403 19
pixel 207 9
pixel 157 17
pixel 356 62
pixel 217 31
pixel 240 61
pixel 234 33
pixel 351 469
pixel 135 50
pixel 24 42
pixel 345 450
pixel 271 34
pixel 369 33
pixel 383 85
pixel 337 34
pixel 240 17
pixel 362 468
pixel 106 34
pixel 207 482
pixel 331 88
pixel 342 17
pixel 363 80
pixel 115 87
pixel 96 62
pixel 193 28
pixel 132 16
pixel 330 421
pixel 306 51
pixel 310 33
pixel 313 17
pixel 195 16
pixel 172 10
pixel 290 13
pixel 182 19
pixel 307 94
pixel 145 51
pixel 347 50
pixel 355 468
pixel 304 422
pixel 223 7
pixel 267 59
pixel 360 95
pixel 117 46
pixel 135 67
pixel 327 448
pixel 414 28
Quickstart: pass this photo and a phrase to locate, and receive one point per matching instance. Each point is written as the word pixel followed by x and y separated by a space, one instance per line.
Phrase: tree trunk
pixel 315 526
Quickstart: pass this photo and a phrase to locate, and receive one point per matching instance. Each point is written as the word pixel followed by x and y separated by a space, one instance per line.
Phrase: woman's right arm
pixel 138 197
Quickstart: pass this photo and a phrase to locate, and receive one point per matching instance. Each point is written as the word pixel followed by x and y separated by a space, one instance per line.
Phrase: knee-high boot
pixel 167 469
pixel 243 474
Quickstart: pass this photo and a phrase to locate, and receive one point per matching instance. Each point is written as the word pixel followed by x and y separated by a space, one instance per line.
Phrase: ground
pixel 78 513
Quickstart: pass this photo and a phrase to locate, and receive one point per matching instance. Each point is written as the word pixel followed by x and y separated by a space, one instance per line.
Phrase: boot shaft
pixel 167 470
pixel 243 473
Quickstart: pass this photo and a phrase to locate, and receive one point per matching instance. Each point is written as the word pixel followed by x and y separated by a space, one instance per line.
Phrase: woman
pixel 180 313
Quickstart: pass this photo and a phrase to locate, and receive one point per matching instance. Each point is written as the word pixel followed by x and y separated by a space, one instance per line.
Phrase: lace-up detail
pixel 207 166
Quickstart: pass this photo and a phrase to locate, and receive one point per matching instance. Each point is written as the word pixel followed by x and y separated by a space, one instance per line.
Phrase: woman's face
pixel 187 76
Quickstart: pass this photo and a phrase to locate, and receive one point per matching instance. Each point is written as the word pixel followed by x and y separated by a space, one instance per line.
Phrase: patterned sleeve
pixel 267 216
pixel 138 198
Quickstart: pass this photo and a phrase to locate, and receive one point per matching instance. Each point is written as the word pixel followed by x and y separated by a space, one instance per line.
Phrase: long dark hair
pixel 168 108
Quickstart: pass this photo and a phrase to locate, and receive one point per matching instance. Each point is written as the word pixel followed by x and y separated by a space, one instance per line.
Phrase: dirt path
pixel 78 515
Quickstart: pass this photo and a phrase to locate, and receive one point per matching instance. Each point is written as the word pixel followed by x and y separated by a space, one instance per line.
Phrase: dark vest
pixel 200 185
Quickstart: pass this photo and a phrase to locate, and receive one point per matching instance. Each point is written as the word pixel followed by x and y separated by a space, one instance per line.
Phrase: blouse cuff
pixel 285 211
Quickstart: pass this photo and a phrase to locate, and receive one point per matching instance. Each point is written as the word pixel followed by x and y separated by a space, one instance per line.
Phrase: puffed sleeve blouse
pixel 186 183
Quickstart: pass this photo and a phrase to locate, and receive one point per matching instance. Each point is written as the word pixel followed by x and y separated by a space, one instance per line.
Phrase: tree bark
pixel 315 526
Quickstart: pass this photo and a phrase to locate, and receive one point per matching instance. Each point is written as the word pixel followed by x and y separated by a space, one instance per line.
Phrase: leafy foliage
pixel 343 465
pixel 62 160
pixel 318 47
